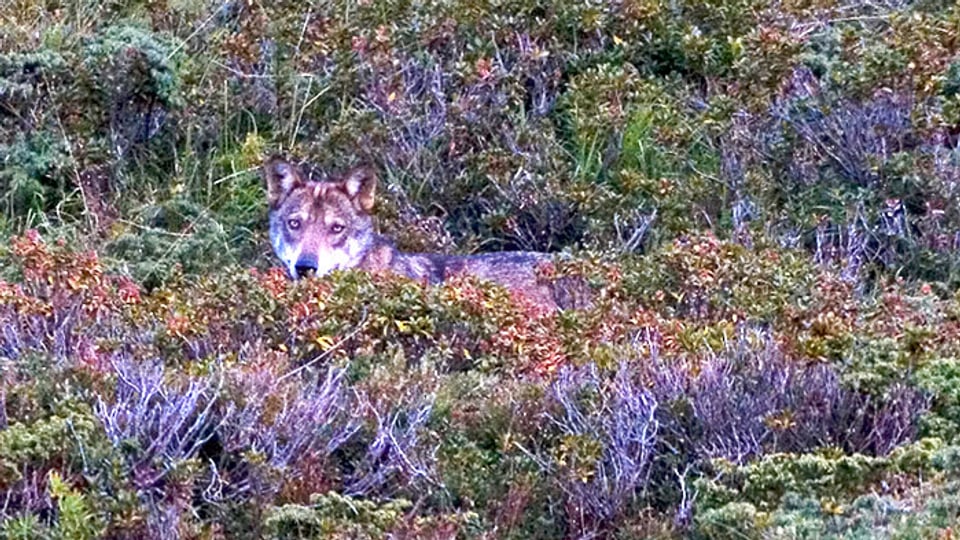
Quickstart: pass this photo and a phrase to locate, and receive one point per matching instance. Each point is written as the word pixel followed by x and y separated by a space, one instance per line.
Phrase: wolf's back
pixel 518 271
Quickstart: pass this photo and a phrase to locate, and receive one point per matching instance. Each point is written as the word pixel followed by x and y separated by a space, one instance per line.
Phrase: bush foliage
pixel 763 197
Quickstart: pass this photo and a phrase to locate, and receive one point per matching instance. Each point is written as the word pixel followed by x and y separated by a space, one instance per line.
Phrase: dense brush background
pixel 764 197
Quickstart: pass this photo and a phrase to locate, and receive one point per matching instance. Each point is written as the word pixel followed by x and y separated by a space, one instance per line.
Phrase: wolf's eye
pixel 336 228
pixel 294 224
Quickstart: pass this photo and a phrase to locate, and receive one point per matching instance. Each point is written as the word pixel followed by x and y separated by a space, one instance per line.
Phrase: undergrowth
pixel 763 197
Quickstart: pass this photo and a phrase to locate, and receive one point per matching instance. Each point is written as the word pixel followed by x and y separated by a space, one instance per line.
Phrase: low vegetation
pixel 764 199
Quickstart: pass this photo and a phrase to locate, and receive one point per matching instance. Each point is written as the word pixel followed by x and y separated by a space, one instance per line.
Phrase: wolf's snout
pixel 306 267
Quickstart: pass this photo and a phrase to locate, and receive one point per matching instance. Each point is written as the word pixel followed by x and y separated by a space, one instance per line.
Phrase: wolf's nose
pixel 306 266
pixel 305 270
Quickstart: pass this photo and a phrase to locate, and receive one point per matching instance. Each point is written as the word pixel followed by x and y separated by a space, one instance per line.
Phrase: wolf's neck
pixel 379 254
pixel 382 256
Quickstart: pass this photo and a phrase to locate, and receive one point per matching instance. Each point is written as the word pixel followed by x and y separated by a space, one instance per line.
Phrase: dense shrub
pixel 493 126
pixel 251 403
pixel 760 197
pixel 809 497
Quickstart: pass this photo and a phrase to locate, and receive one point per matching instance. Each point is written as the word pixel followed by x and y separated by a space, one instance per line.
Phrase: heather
pixel 762 200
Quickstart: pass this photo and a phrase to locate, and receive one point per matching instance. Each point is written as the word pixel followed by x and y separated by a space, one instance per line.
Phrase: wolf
pixel 317 227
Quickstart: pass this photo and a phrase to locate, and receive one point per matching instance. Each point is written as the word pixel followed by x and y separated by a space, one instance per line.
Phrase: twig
pixel 326 353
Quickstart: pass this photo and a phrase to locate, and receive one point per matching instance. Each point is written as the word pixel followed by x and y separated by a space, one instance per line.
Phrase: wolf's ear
pixel 281 176
pixel 360 184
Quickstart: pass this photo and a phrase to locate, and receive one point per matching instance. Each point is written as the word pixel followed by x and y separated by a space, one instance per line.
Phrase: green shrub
pixel 336 516
pixel 826 473
pixel 941 377
pixel 734 520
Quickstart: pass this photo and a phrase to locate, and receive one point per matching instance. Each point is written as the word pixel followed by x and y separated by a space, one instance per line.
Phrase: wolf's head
pixel 318 227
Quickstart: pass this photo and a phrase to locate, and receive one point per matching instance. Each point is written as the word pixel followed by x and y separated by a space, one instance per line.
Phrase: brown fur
pixel 317 227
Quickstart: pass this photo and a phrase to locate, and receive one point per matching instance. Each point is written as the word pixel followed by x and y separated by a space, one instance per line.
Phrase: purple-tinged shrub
pixel 608 432
pixel 285 426
pixel 159 423
pixel 255 434
pixel 851 137
pixel 254 429
pixel 444 136
pixel 399 453
pixel 862 180
pixel 160 426
pixel 747 401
